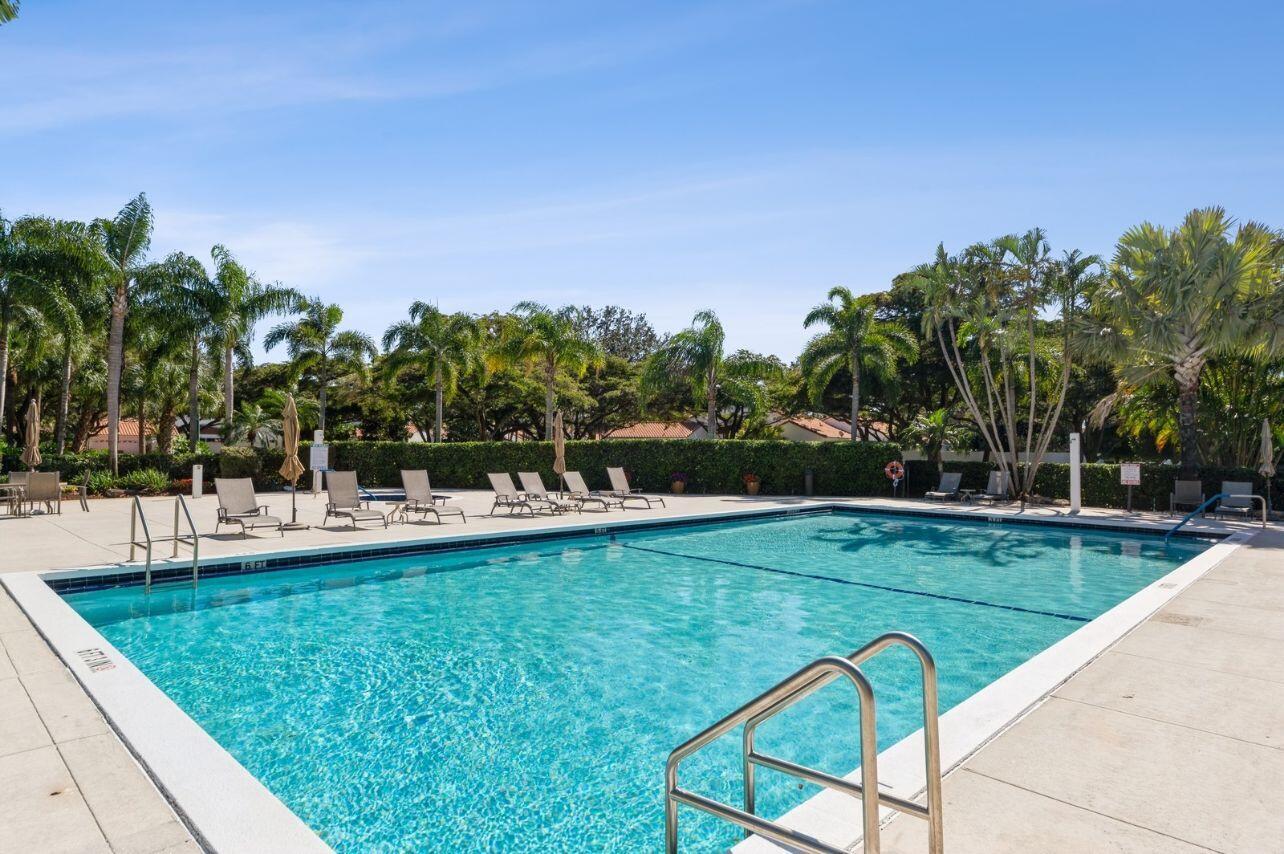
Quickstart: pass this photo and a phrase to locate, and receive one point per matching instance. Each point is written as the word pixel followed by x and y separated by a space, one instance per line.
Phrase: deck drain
pixel 95 659
pixel 1179 619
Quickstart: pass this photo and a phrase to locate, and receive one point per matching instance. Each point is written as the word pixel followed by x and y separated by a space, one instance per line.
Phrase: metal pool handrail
pixel 181 504
pixel 1192 514
pixel 770 703
pixel 135 514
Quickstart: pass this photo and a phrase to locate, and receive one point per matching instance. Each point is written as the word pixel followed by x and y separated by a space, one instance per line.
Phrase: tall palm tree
pixel 44 263
pixel 856 339
pixel 8 10
pixel 317 347
pixel 238 302
pixel 696 356
pixel 536 337
pixel 124 242
pixel 445 345
pixel 1174 299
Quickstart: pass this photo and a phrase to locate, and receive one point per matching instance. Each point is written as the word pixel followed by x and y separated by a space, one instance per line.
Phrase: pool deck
pixel 1172 740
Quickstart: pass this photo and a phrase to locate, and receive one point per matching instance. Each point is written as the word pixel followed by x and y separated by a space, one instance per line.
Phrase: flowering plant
pixel 750 478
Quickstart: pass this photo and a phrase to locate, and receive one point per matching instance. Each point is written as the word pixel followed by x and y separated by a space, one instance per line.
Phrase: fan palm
pixel 856 339
pixel 239 301
pixel 255 425
pixel 538 338
pixel 933 432
pixel 444 345
pixel 124 241
pixel 696 356
pixel 318 348
pixel 1174 299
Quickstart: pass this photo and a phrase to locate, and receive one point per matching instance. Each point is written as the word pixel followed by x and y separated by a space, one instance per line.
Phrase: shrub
pixel 239 461
pixel 145 481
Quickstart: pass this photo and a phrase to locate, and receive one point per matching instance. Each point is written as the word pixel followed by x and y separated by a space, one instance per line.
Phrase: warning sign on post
pixel 319 457
pixel 1130 474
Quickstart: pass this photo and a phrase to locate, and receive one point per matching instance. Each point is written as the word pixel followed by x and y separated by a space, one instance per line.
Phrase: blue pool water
pixel 524 698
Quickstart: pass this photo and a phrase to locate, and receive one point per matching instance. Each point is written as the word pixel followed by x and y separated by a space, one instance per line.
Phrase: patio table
pixel 15 496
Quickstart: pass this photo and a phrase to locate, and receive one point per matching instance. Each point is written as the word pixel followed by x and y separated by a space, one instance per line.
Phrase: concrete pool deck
pixel 72 785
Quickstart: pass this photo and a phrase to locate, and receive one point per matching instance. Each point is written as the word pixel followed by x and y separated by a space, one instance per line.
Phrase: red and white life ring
pixel 894 470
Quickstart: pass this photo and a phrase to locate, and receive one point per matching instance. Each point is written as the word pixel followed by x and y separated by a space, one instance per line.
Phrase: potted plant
pixel 678 482
pixel 752 483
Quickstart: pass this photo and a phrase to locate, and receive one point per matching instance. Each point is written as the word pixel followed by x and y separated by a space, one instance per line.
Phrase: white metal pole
pixel 1074 472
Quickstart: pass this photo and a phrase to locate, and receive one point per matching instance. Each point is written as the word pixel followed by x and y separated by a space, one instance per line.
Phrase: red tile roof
pixel 653 430
pixel 818 426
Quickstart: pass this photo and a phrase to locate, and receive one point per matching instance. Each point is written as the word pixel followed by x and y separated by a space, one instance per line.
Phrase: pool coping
pixel 228 809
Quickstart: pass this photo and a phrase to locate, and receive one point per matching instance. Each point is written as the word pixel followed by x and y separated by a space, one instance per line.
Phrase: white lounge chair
pixel 419 497
pixel 345 502
pixel 996 488
pixel 1186 494
pixel 948 487
pixel 506 495
pixel 237 505
pixel 620 488
pixel 580 492
pixel 1238 504
pixel 533 485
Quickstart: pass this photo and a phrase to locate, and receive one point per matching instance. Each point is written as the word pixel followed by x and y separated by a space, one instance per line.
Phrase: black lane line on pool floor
pixel 959 599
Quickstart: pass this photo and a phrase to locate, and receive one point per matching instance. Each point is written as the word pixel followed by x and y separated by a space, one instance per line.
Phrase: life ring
pixel 894 470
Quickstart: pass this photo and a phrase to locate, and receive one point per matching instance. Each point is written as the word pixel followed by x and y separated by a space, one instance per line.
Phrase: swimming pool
pixel 525 697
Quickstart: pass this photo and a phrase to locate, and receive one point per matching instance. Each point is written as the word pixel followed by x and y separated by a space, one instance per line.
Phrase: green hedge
pixel 73 466
pixel 1099 482
pixel 840 468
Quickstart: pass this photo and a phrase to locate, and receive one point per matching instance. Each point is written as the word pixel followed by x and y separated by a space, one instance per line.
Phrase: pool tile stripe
pixel 848 581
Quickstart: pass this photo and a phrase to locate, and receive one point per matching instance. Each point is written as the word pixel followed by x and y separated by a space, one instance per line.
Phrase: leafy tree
pixel 617 331
pixel 1175 299
pixel 855 339
pixel 124 241
pixel 537 338
pixel 694 357
pixel 444 345
pixel 933 432
pixel 319 350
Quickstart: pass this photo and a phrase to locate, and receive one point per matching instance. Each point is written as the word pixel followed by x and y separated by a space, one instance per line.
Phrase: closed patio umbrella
pixel 1267 467
pixel 31 453
pixel 292 468
pixel 559 449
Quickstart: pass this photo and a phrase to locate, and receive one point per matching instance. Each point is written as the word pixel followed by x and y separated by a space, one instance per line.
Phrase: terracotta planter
pixel 752 487
pixel 679 487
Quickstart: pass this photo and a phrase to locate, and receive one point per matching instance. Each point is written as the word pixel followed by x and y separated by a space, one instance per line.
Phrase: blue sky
pixel 665 156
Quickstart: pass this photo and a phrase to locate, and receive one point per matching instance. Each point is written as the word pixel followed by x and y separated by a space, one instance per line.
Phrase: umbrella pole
pixel 294 524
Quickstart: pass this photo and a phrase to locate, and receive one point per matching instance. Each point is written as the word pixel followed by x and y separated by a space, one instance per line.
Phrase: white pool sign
pixel 319 457
pixel 1130 476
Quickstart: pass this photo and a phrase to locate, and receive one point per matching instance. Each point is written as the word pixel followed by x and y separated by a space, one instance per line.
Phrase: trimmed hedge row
pixel 1099 482
pixel 73 466
pixel 839 468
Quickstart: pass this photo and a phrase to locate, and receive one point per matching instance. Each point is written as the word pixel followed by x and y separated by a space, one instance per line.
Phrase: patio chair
pixel 580 492
pixel 533 486
pixel 1239 503
pixel 506 495
pixel 345 502
pixel 620 489
pixel 996 488
pixel 237 505
pixel 1186 494
pixel 43 487
pixel 948 487
pixel 419 497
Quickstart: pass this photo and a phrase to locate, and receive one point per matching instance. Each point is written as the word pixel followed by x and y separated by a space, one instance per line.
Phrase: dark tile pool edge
pixel 250 565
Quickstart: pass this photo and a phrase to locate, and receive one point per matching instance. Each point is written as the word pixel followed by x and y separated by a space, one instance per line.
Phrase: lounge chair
pixel 419 497
pixel 533 485
pixel 1239 503
pixel 620 489
pixel 43 487
pixel 506 495
pixel 580 492
pixel 341 487
pixel 948 487
pixel 1186 494
pixel 237 505
pixel 996 488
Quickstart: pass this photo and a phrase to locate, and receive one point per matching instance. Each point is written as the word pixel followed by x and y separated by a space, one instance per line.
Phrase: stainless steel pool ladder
pixel 193 538
pixel 772 702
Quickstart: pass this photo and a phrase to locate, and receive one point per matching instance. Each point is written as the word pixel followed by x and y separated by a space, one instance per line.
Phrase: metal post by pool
pixel 1074 472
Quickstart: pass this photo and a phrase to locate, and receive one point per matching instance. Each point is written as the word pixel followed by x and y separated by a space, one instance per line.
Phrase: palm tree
pixel 124 242
pixel 857 340
pixel 696 356
pixel 45 265
pixel 539 338
pixel 318 347
pixel 445 345
pixel 8 10
pixel 933 432
pixel 255 425
pixel 239 301
pixel 1174 299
